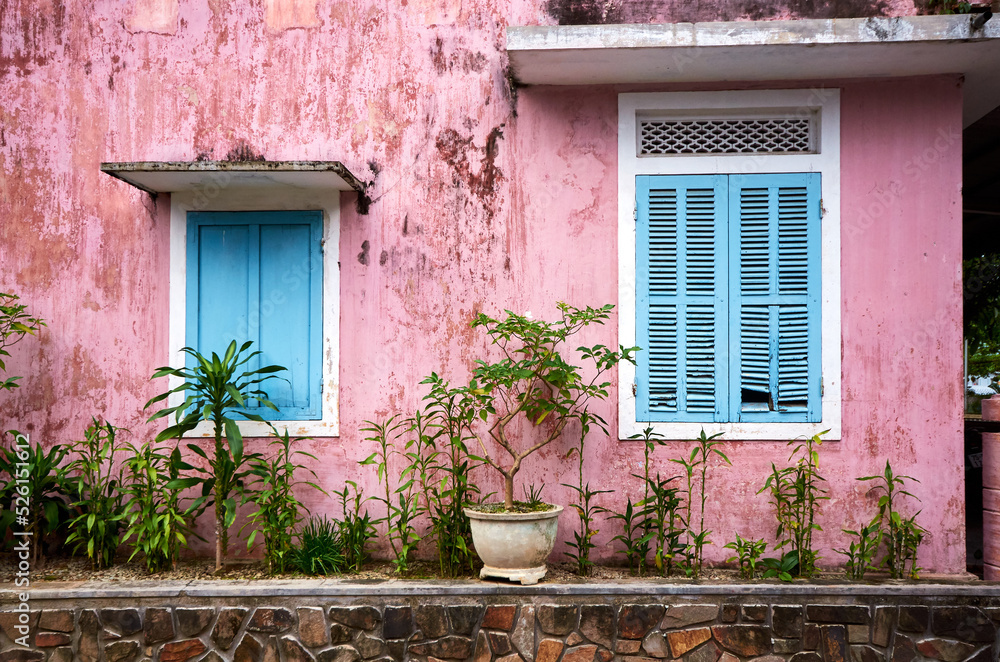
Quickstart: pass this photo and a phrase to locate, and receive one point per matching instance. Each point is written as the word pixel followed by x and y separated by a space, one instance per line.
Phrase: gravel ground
pixel 78 569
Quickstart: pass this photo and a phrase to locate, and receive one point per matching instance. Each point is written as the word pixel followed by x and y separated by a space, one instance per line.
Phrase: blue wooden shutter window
pixel 681 290
pixel 774 297
pixel 728 298
pixel 259 276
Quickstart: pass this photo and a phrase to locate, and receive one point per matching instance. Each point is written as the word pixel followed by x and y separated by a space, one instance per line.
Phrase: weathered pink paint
pixel 474 209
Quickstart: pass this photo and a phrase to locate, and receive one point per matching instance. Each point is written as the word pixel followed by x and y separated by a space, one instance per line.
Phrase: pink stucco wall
pixel 475 208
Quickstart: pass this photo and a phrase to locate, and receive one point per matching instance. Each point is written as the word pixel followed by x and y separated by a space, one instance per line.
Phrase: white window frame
pixel 826 161
pixel 263 199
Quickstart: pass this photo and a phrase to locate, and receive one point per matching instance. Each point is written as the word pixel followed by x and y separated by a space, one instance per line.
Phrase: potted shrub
pixel 521 403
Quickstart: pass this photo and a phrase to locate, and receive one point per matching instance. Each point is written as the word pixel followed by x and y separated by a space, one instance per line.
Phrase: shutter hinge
pixel 322 246
pixel 822 387
pixel 635 214
pixel 635 389
pixel 822 209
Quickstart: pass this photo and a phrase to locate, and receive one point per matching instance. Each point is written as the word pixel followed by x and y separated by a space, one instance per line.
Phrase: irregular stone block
pixel 292 650
pixel 597 623
pixel 946 650
pixel 193 621
pixel 786 621
pixel 178 651
pixel 52 639
pixel 248 650
pixel 628 646
pixel 857 634
pixel 806 656
pixel 882 625
pixel 574 639
pixel 681 616
pixel 513 657
pixel 499 617
pixel 635 621
pixel 271 650
pixel 637 658
pixel 768 658
pixel 59 620
pixel 339 654
pixel 756 613
pixel 312 626
pixel 557 619
pixel 432 620
pixel 121 651
pixel 839 614
pixel 655 645
pixel 810 636
pixel 227 625
pixel 743 640
pixel 549 650
pixel 22 655
pixel 270 620
pixel 362 618
pixel 833 643
pixel 682 641
pixel 580 654
pixel 86 647
pixel 212 656
pixel 730 612
pixel 604 655
pixel 451 648
pixel 61 655
pixel 369 646
pixel 903 649
pixel 397 622
pixel 964 623
pixel 707 652
pixel 914 619
pixel 159 625
pixel 523 636
pixel 339 633
pixel 866 654
pixel 984 655
pixel 786 646
pixel 482 653
pixel 500 643
pixel 123 621
pixel 397 649
pixel 464 618
pixel 728 657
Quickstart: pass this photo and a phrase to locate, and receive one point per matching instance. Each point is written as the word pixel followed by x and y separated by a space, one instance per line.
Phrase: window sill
pixel 255 429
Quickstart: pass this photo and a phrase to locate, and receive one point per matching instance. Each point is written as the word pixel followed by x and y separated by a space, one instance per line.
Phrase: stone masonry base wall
pixel 448 623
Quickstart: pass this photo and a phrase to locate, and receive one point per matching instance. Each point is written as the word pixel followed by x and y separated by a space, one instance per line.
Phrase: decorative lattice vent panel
pixel 727 136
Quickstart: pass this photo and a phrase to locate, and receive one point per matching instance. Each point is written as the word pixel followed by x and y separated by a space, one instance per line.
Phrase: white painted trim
pixel 826 162
pixel 221 199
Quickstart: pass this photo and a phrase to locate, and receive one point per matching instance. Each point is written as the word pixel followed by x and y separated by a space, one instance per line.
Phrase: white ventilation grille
pixel 783 135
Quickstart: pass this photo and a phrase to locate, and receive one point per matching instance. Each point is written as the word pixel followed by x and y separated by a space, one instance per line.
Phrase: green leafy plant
pixel 450 412
pixel 34 490
pixel 696 471
pixel 902 536
pixel 271 485
pixel 356 528
pixel 748 553
pixel 98 495
pixel 15 324
pixel 795 493
pixel 862 551
pixel 585 508
pixel 216 390
pixel 663 509
pixel 321 548
pixel 785 568
pixel 402 502
pixel 533 382
pixel 157 523
pixel 636 544
pixel 636 519
pixel 533 495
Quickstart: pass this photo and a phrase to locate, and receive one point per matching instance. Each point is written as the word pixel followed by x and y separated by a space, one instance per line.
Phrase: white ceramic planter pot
pixel 514 546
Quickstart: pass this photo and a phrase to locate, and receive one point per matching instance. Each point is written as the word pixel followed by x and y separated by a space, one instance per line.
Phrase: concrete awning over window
pixel 744 51
pixel 169 176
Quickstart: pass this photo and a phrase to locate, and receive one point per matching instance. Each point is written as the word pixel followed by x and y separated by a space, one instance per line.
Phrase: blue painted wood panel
pixel 258 276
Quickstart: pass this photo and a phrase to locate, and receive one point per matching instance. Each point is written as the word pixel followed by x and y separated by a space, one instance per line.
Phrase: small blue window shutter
pixel 258 276
pixel 774 319
pixel 680 298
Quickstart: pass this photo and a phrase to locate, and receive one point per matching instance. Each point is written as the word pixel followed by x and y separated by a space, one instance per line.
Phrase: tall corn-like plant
pixel 216 389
